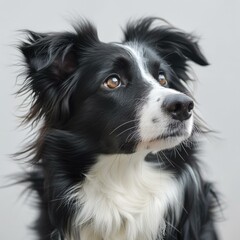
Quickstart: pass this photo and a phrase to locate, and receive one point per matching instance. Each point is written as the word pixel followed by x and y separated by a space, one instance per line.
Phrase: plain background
pixel 217 92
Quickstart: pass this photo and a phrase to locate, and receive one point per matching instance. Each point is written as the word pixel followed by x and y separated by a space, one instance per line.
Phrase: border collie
pixel 115 153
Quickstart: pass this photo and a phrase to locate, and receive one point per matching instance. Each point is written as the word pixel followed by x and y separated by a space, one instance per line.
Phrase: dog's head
pixel 121 96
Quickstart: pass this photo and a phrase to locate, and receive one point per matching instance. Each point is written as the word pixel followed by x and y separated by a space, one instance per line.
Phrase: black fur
pixel 64 74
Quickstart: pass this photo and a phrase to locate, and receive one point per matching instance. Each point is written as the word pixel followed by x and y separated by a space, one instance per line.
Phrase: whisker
pixel 158 156
pixel 178 152
pixel 125 130
pixel 134 120
pixel 171 225
pixel 167 158
pixel 183 147
pixel 131 136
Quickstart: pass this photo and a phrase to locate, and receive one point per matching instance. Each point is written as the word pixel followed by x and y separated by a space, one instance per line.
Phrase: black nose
pixel 179 106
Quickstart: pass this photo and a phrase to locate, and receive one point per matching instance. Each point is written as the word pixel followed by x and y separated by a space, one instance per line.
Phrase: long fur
pixel 105 166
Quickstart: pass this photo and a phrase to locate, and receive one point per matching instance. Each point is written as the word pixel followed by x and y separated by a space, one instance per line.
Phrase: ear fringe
pixel 50 77
pixel 166 37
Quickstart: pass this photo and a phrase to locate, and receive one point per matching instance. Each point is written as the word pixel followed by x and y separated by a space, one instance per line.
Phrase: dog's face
pixel 123 97
pixel 130 105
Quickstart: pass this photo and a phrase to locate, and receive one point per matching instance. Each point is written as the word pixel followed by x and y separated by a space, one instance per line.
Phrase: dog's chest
pixel 124 197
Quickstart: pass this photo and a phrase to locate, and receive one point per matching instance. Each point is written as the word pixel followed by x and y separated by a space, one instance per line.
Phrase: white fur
pixel 124 197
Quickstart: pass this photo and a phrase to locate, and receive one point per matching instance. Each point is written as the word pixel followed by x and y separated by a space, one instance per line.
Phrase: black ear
pixel 175 46
pixel 51 54
pixel 52 70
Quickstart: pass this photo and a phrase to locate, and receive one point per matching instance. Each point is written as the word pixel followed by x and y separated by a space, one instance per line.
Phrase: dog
pixel 114 157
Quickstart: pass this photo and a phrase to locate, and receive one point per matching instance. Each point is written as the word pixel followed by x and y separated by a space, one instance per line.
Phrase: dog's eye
pixel 162 79
pixel 112 82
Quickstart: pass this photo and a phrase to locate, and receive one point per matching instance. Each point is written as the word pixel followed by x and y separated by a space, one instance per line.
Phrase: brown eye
pixel 162 79
pixel 112 82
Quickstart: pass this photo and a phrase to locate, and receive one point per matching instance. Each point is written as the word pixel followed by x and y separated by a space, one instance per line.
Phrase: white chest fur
pixel 125 197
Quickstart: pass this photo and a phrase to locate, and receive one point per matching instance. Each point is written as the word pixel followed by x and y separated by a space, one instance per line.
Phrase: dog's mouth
pixel 175 133
pixel 176 129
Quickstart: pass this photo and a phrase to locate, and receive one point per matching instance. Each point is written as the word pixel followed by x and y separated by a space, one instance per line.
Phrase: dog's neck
pixel 125 197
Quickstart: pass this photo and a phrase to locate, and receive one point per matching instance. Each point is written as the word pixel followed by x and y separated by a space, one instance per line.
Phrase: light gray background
pixel 216 21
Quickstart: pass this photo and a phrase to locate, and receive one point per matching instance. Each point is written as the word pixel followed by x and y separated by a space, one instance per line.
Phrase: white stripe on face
pixel 137 54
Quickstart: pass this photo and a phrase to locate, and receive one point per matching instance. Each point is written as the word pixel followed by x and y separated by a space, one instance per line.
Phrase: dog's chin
pixel 165 141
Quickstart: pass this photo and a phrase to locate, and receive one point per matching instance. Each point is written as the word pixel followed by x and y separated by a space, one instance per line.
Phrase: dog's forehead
pixel 139 53
pixel 144 59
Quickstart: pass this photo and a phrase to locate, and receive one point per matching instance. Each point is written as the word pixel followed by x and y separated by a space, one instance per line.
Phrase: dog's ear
pixel 173 45
pixel 50 52
pixel 52 70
